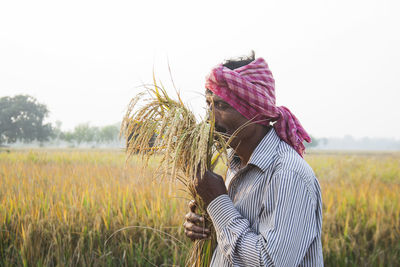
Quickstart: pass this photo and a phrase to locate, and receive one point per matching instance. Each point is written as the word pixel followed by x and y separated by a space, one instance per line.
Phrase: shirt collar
pixel 233 159
pixel 262 155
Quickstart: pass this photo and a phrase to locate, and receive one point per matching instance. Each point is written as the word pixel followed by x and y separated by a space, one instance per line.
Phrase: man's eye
pixel 221 105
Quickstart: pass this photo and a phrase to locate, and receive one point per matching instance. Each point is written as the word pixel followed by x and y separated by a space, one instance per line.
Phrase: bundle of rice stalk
pixel 159 125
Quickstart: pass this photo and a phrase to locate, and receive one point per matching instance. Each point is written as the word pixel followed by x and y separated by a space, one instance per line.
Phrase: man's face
pixel 227 119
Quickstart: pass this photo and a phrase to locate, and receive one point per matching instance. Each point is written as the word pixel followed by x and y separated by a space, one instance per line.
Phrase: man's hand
pixel 193 222
pixel 209 186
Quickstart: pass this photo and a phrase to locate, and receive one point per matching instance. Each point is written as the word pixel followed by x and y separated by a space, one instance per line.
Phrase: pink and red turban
pixel 250 89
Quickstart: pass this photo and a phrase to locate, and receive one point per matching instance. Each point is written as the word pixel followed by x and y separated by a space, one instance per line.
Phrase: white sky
pixel 336 63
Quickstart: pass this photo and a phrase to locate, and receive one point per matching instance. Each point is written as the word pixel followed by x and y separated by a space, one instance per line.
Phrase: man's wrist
pixel 211 199
pixel 221 211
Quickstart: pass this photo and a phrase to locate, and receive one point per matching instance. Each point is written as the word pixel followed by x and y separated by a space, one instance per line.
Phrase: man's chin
pixel 233 144
pixel 219 129
pixel 228 136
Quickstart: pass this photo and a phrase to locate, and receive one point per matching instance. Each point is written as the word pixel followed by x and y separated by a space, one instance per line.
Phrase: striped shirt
pixel 272 213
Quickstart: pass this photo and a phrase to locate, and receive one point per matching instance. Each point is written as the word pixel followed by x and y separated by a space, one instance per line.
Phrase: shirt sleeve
pixel 285 233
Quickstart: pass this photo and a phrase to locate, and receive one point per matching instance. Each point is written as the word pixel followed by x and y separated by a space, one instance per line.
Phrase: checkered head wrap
pixel 250 89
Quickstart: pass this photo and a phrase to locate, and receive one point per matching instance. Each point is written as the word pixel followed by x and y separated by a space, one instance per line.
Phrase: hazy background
pixel 336 63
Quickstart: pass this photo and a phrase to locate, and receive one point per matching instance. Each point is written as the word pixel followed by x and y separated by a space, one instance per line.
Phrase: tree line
pixel 22 119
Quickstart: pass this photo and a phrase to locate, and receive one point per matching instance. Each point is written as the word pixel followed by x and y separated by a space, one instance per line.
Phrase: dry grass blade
pixel 167 128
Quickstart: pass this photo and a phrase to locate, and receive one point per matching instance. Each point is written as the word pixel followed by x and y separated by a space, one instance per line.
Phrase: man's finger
pixel 193 217
pixel 192 205
pixel 193 235
pixel 196 229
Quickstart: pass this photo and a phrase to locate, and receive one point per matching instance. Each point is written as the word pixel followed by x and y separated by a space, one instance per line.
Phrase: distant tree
pixel 67 136
pixel 108 134
pixel 85 133
pixel 57 132
pixel 314 142
pixel 21 118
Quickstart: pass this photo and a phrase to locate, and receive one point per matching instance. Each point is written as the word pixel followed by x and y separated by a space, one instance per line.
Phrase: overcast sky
pixel 336 63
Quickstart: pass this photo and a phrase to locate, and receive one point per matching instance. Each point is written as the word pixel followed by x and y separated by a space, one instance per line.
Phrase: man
pixel 268 211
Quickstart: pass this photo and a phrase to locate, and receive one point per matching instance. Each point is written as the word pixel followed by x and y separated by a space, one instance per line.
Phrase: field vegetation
pixel 91 208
